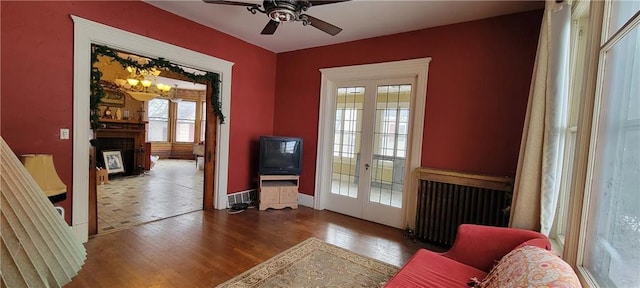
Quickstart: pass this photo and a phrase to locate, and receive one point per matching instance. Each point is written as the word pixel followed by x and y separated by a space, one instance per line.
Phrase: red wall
pixel 477 90
pixel 37 76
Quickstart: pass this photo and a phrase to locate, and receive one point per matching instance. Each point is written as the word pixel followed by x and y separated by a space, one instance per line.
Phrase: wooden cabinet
pixel 278 191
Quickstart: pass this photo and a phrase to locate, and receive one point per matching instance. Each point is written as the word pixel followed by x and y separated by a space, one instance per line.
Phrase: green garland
pixel 97 92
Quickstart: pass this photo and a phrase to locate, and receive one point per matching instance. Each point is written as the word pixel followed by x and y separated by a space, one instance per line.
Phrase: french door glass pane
pixel 390 144
pixel 613 230
pixel 346 141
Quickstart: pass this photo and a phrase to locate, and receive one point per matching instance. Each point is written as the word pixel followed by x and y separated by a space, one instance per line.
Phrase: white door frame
pixel 417 68
pixel 87 32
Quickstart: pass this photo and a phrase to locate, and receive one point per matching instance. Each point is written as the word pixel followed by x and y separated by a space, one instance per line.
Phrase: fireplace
pixel 127 149
pixel 123 136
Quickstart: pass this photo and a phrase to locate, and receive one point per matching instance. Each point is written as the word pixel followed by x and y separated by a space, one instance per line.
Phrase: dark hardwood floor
pixel 206 248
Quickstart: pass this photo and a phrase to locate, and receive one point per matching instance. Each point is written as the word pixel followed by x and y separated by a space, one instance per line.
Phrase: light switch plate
pixel 64 133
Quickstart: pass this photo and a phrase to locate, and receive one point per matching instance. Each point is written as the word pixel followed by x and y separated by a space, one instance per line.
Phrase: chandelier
pixel 143 85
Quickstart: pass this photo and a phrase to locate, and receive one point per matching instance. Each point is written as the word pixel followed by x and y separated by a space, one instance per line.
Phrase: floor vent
pixel 242 197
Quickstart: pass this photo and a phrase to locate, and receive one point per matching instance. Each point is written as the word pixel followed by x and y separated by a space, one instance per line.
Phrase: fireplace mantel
pixel 122 125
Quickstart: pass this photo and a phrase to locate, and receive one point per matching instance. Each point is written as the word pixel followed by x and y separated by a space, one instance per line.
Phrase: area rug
pixel 314 263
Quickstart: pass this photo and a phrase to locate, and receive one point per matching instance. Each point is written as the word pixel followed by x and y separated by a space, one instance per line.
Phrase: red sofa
pixel 474 253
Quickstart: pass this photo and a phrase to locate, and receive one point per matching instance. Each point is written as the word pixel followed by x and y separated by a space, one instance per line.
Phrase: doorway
pixel 88 32
pixel 369 149
pixel 370 116
pixel 157 134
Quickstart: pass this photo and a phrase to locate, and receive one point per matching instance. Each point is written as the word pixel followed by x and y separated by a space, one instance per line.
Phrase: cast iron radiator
pixel 447 199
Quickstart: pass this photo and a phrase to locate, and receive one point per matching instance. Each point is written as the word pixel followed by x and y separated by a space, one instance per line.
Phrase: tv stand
pixel 278 191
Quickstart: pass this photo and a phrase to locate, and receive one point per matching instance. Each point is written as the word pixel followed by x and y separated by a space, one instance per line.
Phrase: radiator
pixel 447 199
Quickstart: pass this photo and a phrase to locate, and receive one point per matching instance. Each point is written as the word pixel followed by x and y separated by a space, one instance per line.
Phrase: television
pixel 280 155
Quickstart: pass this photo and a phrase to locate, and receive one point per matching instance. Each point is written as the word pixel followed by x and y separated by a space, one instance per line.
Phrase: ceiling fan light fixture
pixel 286 11
pixel 133 82
pixel 282 15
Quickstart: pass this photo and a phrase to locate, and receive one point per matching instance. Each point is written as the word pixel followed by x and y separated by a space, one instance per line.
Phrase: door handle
pixel 366 166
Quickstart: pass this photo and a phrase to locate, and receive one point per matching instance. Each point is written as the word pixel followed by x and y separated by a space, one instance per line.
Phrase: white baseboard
pixel 305 200
pixel 81 232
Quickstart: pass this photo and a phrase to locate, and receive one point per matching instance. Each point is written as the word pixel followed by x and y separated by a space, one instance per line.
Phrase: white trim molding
pixel 87 32
pixel 417 68
pixel 305 200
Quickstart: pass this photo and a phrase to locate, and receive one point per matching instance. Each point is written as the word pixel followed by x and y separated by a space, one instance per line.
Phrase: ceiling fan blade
pixel 324 26
pixel 234 3
pixel 319 2
pixel 270 28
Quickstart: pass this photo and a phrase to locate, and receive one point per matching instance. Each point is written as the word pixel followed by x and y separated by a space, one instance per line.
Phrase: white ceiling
pixel 359 19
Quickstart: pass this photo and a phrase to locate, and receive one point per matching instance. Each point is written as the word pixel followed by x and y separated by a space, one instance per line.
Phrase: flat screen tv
pixel 280 155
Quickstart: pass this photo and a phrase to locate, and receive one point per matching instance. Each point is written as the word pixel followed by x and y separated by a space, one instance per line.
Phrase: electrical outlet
pixel 64 133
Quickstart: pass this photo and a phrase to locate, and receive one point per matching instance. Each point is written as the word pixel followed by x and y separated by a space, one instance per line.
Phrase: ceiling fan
pixel 286 11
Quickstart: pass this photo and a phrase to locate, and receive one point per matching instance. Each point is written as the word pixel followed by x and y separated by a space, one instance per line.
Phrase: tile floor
pixel 171 188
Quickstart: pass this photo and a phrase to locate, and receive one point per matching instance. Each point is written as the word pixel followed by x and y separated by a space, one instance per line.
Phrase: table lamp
pixel 41 168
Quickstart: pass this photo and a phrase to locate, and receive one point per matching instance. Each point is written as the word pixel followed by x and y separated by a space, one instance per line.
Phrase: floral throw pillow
pixel 531 266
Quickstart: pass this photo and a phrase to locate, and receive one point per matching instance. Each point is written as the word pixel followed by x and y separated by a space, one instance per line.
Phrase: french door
pixel 370 148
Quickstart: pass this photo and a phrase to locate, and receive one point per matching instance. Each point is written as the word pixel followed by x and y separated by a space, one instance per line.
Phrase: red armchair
pixel 474 252
pixel 483 246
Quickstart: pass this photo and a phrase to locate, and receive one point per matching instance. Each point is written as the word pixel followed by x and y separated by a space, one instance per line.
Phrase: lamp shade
pixel 41 168
pixel 142 96
pixel 37 247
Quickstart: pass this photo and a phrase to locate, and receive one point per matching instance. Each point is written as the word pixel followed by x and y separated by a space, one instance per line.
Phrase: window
pixel 177 122
pixel 603 228
pixel 203 121
pixel 612 237
pixel 579 32
pixel 158 120
pixel 185 121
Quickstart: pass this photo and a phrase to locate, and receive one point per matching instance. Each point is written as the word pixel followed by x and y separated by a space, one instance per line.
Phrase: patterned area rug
pixel 314 263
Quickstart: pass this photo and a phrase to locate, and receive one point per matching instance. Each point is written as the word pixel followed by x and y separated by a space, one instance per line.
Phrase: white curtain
pixel 537 182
